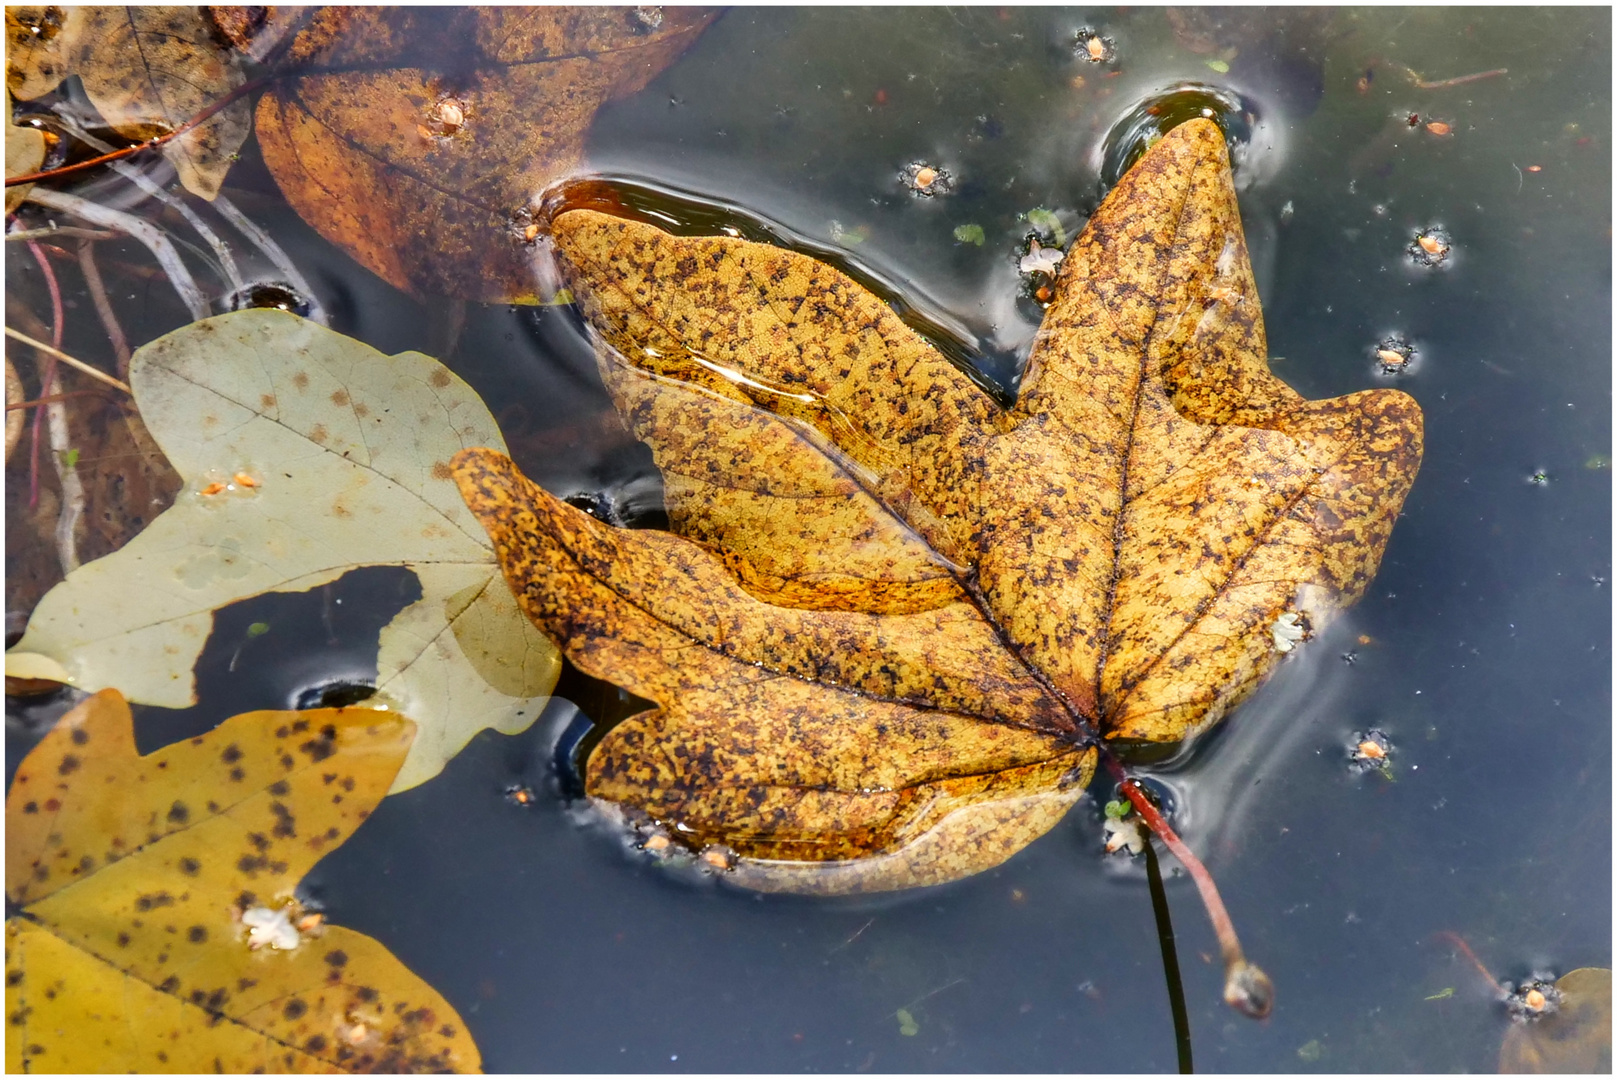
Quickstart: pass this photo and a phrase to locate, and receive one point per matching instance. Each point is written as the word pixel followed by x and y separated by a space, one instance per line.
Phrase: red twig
pixel 1459 942
pixel 1246 987
pixel 150 144
pixel 47 381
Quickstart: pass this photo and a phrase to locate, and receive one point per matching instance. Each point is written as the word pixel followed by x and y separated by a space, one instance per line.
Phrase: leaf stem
pixel 1246 988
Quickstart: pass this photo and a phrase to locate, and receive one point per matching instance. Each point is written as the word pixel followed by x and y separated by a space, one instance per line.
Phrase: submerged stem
pixel 1246 988
pixel 1170 960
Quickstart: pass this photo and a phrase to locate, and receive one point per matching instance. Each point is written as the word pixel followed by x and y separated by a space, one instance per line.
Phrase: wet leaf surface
pixel 1575 1038
pixel 893 614
pixel 137 879
pixel 423 167
pixel 25 153
pixel 148 70
pixel 305 454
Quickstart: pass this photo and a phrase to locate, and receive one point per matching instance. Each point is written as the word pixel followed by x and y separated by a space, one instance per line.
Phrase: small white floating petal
pixel 1287 631
pixel 272 927
pixel 1040 260
pixel 1124 834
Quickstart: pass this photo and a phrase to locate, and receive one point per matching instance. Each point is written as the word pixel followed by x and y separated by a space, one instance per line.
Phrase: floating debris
pixel 1040 259
pixel 1393 355
pixel 1439 128
pixel 272 927
pixel 926 180
pixel 520 795
pixel 1288 630
pixel 1535 998
pixel 1430 247
pixel 1371 751
pixel 1090 45
pixel 1122 828
pixel 970 234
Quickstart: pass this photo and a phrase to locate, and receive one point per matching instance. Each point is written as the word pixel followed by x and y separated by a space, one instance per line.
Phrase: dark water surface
pixel 1483 649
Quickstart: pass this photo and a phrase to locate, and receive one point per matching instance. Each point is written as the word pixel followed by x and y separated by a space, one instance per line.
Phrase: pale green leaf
pixel 306 454
pixel 1040 218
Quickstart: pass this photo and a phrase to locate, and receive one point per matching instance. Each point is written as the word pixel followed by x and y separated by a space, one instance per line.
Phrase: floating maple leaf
pixel 895 620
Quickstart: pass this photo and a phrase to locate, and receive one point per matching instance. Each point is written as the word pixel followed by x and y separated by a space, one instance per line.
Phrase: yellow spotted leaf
pixel 894 618
pixel 136 880
pixel 419 136
pixel 148 70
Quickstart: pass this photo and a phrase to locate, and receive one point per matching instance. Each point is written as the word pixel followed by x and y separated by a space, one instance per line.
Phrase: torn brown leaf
pixel 423 168
pixel 148 70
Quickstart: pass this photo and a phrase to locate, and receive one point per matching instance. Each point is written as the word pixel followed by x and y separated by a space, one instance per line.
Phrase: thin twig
pixel 150 235
pixel 272 251
pixel 1459 80
pixel 60 230
pixel 221 250
pixel 63 396
pixel 150 144
pixel 57 354
pixel 1449 935
pixel 48 375
pixel 1246 988
pixel 103 306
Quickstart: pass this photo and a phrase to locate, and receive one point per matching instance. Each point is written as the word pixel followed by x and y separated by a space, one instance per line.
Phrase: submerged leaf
pixel 133 873
pixel 306 454
pixel 423 167
pixel 893 616
pixel 1575 1038
pixel 148 70
pixel 25 153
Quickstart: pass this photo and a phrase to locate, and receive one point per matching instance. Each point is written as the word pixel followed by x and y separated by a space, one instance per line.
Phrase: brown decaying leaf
pixel 418 167
pixel 25 153
pixel 148 70
pixel 132 873
pixel 885 586
pixel 1576 1038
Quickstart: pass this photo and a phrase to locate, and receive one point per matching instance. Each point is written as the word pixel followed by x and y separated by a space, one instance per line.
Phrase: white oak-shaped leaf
pixel 131 876
pixel 148 70
pixel 855 519
pixel 306 454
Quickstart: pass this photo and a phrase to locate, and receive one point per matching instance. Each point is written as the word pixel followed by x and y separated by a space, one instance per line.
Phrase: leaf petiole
pixel 1246 988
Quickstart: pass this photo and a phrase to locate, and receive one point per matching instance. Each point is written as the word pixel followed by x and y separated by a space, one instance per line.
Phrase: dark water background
pixel 1483 649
